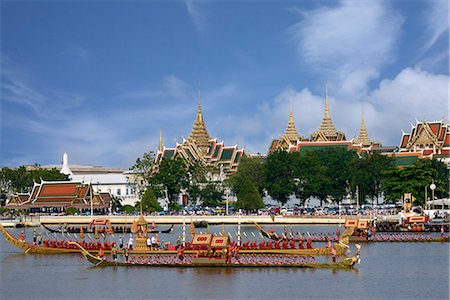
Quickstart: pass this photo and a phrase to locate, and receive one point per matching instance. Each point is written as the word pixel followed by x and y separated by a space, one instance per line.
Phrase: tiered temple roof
pixel 290 136
pixel 199 134
pixel 327 132
pixel 428 138
pixel 199 146
pixel 363 138
pixel 61 194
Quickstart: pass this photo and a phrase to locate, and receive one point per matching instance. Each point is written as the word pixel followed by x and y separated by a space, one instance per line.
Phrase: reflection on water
pixel 388 271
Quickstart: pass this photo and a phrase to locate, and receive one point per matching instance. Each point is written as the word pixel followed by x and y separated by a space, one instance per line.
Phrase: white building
pixel 103 179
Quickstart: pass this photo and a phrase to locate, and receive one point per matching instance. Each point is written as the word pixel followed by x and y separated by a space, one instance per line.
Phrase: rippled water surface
pixel 387 271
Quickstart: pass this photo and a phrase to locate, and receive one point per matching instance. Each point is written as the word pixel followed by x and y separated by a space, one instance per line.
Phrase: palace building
pixel 200 147
pixel 56 196
pixel 325 136
pixel 427 140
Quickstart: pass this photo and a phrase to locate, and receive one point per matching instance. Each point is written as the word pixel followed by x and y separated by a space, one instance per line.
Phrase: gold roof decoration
pixel 327 131
pixel 291 132
pixel 199 134
pixel 363 138
pixel 161 146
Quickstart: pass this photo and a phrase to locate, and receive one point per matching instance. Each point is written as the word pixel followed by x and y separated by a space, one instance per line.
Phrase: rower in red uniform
pixel 292 244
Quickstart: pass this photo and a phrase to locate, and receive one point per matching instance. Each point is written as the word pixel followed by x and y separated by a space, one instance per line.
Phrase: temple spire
pixel 327 131
pixel 199 134
pixel 199 106
pixel 327 112
pixel 291 132
pixel 363 138
pixel 160 148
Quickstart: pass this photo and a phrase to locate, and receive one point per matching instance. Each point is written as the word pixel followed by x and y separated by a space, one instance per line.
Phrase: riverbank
pixel 179 219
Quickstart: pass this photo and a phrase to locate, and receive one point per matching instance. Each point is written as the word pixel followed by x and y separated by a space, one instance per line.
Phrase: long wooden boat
pixel 347 263
pixel 400 239
pixel 381 238
pixel 26 247
pixel 116 229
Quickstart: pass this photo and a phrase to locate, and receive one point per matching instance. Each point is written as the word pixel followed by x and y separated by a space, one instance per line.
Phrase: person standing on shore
pixel 120 242
pixel 34 236
pixel 131 242
pixel 39 239
pixel 358 248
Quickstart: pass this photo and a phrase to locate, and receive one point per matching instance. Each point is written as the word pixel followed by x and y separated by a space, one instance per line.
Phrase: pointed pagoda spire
pixel 363 138
pixel 161 147
pixel 291 132
pixel 199 134
pixel 327 126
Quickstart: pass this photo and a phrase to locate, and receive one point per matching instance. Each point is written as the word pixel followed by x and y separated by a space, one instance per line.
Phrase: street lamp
pixel 432 188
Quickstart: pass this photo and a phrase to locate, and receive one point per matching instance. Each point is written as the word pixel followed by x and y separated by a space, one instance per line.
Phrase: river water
pixel 387 271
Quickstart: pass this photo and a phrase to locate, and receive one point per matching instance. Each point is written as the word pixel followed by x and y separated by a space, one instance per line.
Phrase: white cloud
pixel 436 21
pixel 172 87
pixel 388 109
pixel 74 50
pixel 194 12
pixel 348 43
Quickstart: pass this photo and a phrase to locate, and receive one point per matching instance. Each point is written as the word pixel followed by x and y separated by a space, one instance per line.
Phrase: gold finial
pixel 140 206
pixel 326 97
pixel 160 141
pixel 199 110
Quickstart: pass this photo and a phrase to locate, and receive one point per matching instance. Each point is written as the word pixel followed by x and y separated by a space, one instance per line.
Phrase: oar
pixel 253 234
pixel 245 235
pixel 230 236
pixel 76 236
pixel 261 235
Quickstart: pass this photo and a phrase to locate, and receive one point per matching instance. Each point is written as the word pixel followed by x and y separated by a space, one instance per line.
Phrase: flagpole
pixel 184 229
pixel 239 229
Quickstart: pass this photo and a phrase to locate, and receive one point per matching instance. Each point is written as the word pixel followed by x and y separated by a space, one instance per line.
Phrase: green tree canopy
pixel 248 197
pixel 309 175
pixel 211 194
pixel 142 172
pixel 149 201
pixel 253 169
pixel 21 180
pixel 280 182
pixel 171 178
pixel 413 179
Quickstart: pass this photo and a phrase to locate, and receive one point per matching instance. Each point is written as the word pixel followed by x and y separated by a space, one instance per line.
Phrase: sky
pixel 100 79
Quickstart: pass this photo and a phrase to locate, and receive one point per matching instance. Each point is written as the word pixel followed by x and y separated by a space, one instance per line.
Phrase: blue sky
pixel 100 79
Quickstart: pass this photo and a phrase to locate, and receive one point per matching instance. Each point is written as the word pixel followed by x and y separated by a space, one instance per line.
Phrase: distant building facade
pixel 57 196
pixel 103 179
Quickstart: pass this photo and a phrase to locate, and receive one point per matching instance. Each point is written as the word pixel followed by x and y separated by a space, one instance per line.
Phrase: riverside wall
pixel 179 219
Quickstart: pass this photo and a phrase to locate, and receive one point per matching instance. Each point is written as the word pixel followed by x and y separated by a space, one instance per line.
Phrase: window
pixel 127 191
pixel 118 192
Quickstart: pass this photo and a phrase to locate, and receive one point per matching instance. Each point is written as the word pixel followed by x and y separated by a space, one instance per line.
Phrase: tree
pixel 253 169
pixel 309 175
pixel 142 172
pixel 128 209
pixel 280 181
pixel 337 162
pixel 211 194
pixel 21 180
pixel 367 174
pixel 150 202
pixel 171 178
pixel 116 203
pixel 248 197
pixel 413 179
pixel 197 174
